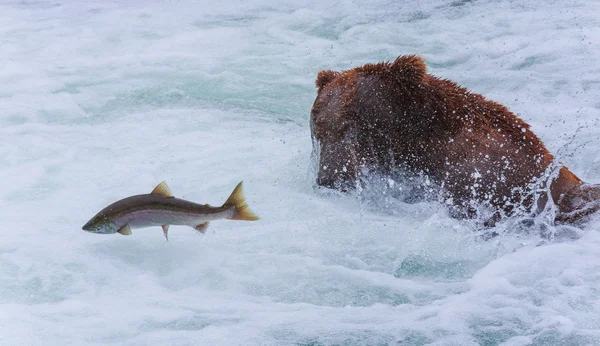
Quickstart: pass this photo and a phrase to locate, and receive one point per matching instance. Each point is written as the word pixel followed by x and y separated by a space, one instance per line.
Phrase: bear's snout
pixel 335 183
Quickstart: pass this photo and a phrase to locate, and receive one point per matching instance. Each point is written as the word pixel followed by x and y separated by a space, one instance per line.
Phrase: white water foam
pixel 98 102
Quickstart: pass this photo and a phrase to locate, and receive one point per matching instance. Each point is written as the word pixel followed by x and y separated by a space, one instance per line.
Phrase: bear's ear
pixel 325 77
pixel 411 67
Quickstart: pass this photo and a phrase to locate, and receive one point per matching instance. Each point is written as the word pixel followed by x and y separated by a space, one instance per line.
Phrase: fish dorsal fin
pixel 163 190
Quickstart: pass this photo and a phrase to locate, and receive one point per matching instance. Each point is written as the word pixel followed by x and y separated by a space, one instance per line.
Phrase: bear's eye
pixel 331 128
pixel 344 126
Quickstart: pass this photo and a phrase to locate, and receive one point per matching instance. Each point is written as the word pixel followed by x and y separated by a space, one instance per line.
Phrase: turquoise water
pixel 98 102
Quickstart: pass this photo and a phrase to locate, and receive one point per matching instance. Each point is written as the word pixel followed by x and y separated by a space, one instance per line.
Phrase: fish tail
pixel 238 201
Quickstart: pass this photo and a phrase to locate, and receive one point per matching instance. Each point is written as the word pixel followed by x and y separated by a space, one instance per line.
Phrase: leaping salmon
pixel 161 208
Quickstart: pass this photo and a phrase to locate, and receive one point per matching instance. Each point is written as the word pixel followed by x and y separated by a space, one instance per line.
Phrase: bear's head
pixel 360 117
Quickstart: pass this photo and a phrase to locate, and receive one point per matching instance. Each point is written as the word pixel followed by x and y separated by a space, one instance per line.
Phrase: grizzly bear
pixel 394 116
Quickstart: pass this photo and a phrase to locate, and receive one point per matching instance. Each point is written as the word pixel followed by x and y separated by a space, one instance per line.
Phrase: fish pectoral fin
pixel 163 190
pixel 202 227
pixel 126 230
pixel 166 231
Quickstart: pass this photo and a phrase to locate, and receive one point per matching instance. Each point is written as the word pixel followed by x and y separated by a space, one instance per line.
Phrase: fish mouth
pixel 87 227
pixel 92 230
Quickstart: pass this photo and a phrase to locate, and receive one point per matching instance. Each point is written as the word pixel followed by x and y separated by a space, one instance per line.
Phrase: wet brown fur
pixel 393 114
